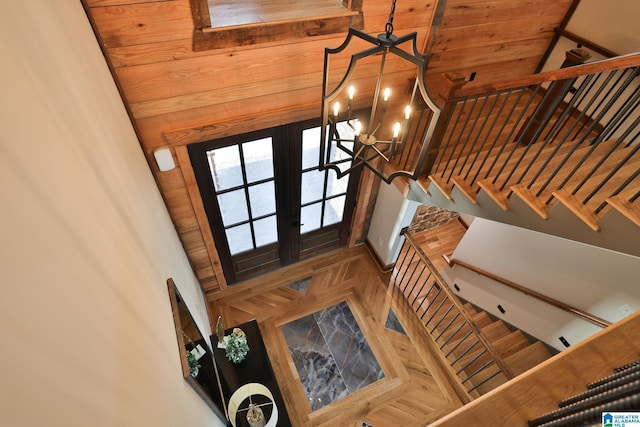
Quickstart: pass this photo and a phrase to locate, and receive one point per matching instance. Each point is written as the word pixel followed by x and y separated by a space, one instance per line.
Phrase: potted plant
pixel 236 346
pixel 194 365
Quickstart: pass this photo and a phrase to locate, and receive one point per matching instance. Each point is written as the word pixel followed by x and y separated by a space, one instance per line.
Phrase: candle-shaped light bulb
pixel 386 94
pixel 336 109
pixel 351 91
pixel 357 127
pixel 396 130
pixel 407 112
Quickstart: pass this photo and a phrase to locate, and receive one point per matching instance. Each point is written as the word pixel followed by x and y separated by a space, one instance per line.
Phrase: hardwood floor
pixel 415 390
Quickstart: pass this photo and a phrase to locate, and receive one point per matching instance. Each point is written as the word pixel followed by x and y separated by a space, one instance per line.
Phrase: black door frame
pixel 291 246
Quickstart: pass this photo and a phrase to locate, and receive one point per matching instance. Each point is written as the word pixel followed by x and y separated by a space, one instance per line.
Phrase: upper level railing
pixel 468 351
pixel 617 392
pixel 559 304
pixel 566 374
pixel 571 135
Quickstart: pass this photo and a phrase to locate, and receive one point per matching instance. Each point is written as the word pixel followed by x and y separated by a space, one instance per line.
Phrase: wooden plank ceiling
pixel 177 96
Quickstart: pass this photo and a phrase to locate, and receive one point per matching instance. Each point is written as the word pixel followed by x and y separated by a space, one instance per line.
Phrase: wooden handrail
pixel 456 301
pixel 610 64
pixel 586 43
pixel 559 304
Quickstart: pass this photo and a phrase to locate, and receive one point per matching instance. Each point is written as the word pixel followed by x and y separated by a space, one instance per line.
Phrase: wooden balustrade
pixel 581 151
pixel 468 352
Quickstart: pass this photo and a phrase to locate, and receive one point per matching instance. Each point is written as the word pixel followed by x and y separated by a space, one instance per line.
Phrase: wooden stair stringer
pixel 536 163
pixel 616 235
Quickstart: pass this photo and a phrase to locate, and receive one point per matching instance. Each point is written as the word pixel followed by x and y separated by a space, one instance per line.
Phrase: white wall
pixel 596 280
pixel 391 214
pixel 611 24
pixel 87 244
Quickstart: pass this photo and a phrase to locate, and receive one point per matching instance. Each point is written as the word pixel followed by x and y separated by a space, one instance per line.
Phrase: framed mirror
pixel 198 365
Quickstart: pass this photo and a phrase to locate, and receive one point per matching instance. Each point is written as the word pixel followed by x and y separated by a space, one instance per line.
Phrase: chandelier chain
pixel 389 26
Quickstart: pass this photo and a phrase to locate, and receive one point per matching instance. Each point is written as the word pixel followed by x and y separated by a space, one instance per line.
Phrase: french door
pixel 267 203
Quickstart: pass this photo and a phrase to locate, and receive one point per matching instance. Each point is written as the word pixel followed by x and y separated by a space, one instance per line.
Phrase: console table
pixel 255 368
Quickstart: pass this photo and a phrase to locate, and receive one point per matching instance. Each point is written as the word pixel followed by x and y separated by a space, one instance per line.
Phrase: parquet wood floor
pixel 415 390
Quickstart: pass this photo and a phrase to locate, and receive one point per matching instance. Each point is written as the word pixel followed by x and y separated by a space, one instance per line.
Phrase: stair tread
pixel 565 167
pixel 612 183
pixel 578 208
pixel 527 358
pixel 481 319
pixel 495 330
pixel 510 344
pixel 469 308
pixel 499 190
pixel 626 208
pixel 586 212
pixel 532 156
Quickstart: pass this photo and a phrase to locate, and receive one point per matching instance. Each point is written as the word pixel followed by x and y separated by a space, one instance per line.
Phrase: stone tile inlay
pixel 301 285
pixel 393 323
pixel 331 355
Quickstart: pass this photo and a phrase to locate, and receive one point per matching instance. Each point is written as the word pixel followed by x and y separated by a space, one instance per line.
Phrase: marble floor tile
pixel 301 285
pixel 393 323
pixel 331 354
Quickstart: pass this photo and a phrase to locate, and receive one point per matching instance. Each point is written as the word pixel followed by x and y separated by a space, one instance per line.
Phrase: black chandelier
pixel 350 140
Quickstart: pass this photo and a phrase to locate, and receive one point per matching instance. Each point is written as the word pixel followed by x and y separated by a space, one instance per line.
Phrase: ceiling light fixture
pixel 391 132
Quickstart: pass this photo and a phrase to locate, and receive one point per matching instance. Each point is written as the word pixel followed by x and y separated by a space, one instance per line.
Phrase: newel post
pixel 446 99
pixel 554 96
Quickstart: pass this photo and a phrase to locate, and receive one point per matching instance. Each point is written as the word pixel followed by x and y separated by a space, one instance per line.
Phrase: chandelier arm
pixel 373 132
pixel 377 150
pixel 360 150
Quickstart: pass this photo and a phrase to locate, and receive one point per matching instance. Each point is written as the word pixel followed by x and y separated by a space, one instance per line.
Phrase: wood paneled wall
pixel 177 96
pixel 495 39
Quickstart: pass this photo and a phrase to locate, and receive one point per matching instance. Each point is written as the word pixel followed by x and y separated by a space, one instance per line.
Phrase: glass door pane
pixel 323 195
pixel 243 177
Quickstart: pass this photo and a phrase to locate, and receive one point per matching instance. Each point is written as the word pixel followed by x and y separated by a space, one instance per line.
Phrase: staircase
pixel 556 152
pixel 517 351
pixel 482 353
